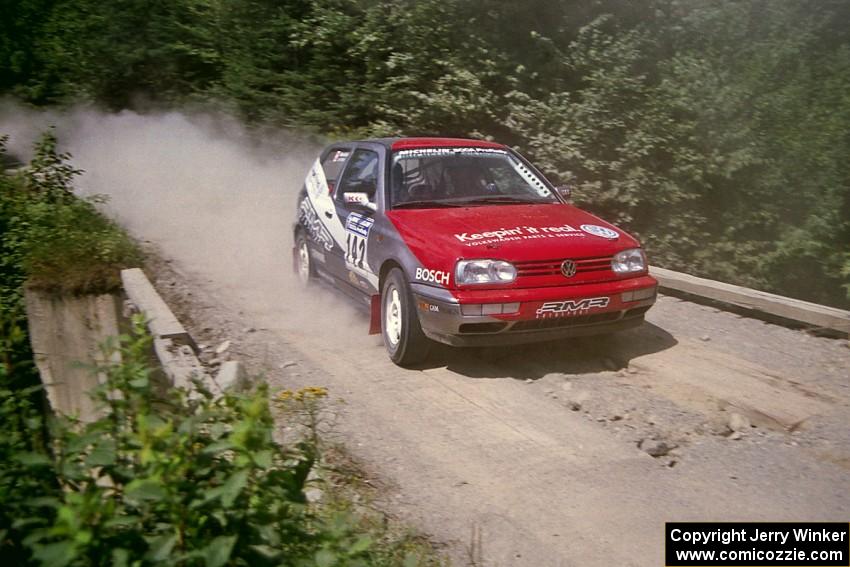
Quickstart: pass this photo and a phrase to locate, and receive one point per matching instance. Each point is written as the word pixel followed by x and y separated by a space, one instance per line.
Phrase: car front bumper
pixel 545 313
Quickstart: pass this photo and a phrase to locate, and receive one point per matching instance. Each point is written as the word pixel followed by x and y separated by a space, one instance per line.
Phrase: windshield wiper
pixel 425 205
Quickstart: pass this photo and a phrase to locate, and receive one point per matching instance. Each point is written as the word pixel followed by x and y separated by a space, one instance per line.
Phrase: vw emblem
pixel 568 268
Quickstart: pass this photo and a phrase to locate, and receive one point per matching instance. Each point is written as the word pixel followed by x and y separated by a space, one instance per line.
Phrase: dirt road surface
pixel 541 449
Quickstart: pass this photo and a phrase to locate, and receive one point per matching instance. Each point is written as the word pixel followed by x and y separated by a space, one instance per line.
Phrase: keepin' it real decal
pixel 518 233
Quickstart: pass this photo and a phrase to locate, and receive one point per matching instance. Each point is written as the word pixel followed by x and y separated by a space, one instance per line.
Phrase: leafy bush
pixel 21 433
pixel 60 242
pixel 172 477
pixel 22 400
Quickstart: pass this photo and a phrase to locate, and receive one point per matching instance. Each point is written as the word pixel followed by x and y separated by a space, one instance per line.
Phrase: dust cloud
pixel 218 199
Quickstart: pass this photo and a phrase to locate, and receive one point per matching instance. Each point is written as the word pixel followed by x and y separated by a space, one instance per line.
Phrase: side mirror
pixel 359 199
pixel 564 191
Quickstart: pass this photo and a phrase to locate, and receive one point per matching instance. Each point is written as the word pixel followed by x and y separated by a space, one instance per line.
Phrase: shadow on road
pixel 581 355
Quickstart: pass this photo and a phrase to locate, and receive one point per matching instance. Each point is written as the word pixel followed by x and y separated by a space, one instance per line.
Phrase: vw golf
pixel 463 242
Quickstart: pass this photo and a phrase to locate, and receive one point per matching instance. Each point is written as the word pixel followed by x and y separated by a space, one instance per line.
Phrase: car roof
pixel 432 142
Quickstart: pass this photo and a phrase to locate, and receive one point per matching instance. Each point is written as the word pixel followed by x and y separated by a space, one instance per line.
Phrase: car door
pixel 362 176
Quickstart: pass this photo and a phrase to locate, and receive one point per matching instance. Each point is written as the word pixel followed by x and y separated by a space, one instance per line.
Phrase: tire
pixel 404 340
pixel 304 270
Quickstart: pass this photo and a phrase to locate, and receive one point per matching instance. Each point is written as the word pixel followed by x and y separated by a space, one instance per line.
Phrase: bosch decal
pixel 571 307
pixel 432 276
pixel 600 231
pixel 359 224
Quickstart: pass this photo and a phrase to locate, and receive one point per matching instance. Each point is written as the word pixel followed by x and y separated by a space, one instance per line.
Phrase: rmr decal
pixel 570 307
pixel 317 231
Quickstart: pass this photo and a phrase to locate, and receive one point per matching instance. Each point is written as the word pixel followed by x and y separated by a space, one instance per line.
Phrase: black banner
pixel 743 544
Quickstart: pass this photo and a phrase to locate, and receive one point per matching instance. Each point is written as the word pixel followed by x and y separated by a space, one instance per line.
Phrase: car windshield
pixel 446 177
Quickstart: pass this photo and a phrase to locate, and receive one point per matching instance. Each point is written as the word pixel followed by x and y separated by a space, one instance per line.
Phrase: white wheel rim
pixel 393 316
pixel 303 263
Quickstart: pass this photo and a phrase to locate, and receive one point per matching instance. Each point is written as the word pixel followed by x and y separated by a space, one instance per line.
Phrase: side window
pixel 361 175
pixel 332 165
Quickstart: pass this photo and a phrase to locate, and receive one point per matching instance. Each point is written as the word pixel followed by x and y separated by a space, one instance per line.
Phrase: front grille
pixel 553 267
pixel 560 322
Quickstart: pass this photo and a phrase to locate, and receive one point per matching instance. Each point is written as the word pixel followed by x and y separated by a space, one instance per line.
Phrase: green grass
pixel 60 242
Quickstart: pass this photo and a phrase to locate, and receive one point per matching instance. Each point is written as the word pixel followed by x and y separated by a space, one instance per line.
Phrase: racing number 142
pixel 355 252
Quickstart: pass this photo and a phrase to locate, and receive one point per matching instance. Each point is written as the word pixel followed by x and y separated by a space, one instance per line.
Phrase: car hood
pixel 516 233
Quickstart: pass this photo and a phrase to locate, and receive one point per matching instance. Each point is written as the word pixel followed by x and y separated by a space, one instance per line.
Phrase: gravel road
pixel 569 453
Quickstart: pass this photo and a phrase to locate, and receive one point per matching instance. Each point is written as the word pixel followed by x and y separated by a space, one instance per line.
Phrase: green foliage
pixel 167 476
pixel 55 240
pixel 22 431
pixel 716 131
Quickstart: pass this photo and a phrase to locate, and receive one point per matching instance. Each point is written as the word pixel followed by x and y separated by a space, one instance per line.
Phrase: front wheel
pixel 403 337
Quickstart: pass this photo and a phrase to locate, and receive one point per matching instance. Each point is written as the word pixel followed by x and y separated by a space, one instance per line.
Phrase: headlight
pixel 484 271
pixel 629 261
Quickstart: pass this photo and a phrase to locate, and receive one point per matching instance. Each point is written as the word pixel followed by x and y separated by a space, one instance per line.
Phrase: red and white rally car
pixel 463 242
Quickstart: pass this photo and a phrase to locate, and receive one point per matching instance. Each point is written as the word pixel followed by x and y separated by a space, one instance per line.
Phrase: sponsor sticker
pixel 600 231
pixel 355 198
pixel 316 183
pixel 310 220
pixel 359 224
pixel 424 152
pixel 432 276
pixel 518 233
pixel 571 307
pixel 425 306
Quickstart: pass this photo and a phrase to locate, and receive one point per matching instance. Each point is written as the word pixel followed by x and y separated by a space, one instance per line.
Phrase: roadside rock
pixel 655 448
pixel 574 399
pixel 738 422
pixel 220 349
